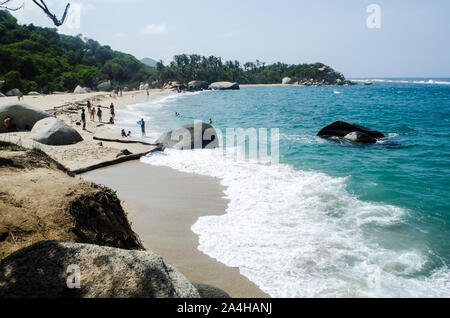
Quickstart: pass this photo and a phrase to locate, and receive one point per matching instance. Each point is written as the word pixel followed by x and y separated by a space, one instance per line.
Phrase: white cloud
pixel 155 29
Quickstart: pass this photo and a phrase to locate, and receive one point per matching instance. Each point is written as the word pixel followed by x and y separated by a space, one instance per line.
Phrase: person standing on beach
pixel 83 118
pixel 92 111
pixel 20 96
pixel 99 114
pixel 89 106
pixel 143 127
pixel 113 113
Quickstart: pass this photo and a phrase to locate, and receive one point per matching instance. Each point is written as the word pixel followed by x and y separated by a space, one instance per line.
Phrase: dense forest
pixel 39 59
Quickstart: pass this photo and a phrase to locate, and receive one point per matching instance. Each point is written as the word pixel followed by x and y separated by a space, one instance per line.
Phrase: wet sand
pixel 163 204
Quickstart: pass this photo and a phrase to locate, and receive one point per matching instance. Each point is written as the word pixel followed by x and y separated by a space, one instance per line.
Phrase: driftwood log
pixel 126 141
pixel 116 161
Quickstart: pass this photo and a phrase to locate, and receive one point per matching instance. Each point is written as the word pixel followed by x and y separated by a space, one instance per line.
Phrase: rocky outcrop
pixel 13 92
pixel 144 86
pixel 55 132
pixel 80 90
pixel 24 116
pixel 2 83
pixel 286 81
pixel 2 95
pixel 343 129
pixel 197 86
pixel 54 270
pixel 194 136
pixel 210 292
pixel 360 137
pixel 105 86
pixel 223 86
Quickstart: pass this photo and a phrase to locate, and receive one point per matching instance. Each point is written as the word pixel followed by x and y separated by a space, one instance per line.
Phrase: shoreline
pixel 179 248
pixel 162 212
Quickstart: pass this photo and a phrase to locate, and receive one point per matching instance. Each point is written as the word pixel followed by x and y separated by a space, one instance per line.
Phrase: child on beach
pixel 124 134
pixel 20 96
pixel 99 114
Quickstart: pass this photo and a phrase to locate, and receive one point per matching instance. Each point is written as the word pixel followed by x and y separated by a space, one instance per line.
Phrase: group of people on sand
pixel 92 111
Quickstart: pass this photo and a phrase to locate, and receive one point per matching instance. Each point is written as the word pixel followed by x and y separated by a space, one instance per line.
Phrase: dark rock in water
pixel 342 129
pixel 360 137
pixel 194 136
pixel 53 269
pixel 210 292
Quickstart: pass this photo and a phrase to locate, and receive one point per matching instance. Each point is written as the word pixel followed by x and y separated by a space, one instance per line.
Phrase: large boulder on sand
pixel 55 132
pixel 2 95
pixel 194 136
pixel 24 116
pixel 47 270
pixel 105 86
pixel 13 92
pixel 286 81
pixel 80 90
pixel 342 129
pixel 197 85
pixel 223 86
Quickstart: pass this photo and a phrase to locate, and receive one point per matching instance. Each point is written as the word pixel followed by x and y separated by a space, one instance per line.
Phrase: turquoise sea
pixel 331 219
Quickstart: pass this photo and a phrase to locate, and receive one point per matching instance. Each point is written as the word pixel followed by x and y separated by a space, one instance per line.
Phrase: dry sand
pixel 87 152
pixel 163 205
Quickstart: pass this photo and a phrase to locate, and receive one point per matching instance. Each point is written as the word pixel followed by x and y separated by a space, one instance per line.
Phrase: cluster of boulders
pixel 44 128
pixel 195 86
pixel 326 76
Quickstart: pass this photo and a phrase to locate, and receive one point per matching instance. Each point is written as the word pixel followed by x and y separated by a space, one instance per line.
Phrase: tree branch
pixel 4 5
pixel 52 16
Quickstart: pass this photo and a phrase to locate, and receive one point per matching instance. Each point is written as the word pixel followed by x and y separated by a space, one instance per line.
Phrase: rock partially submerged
pixel 342 129
pixel 55 132
pixel 194 136
pixel 48 269
pixel 223 86
pixel 360 137
pixel 24 116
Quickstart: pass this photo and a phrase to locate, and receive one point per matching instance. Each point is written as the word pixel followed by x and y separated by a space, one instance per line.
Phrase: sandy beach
pixel 162 204
pixel 68 109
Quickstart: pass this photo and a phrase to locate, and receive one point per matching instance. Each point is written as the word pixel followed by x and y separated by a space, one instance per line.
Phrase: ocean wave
pixel 411 81
pixel 301 233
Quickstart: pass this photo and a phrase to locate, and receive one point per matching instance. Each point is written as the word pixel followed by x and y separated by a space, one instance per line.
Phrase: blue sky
pixel 413 40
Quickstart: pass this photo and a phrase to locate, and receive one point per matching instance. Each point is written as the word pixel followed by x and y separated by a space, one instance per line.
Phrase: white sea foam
pixel 302 234
pixel 428 82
